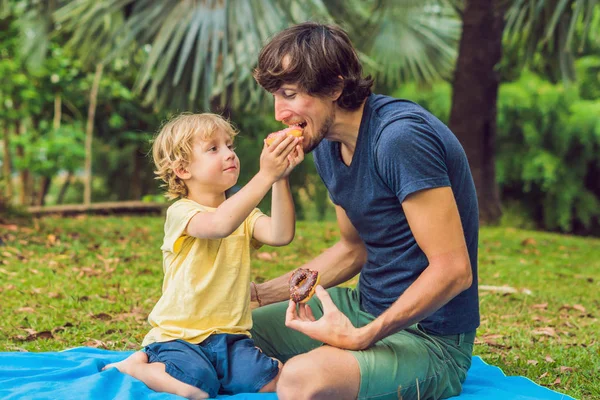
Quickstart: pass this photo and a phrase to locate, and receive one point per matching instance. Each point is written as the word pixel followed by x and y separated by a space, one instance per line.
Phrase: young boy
pixel 200 344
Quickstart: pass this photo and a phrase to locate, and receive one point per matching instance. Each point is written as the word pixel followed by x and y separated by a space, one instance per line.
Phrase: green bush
pixel 547 146
pixel 548 141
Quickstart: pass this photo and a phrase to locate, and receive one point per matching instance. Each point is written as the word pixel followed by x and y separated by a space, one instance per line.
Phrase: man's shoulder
pixel 388 108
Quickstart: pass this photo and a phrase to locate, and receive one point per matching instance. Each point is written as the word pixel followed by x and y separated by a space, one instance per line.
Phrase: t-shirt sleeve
pixel 251 222
pixel 411 157
pixel 178 216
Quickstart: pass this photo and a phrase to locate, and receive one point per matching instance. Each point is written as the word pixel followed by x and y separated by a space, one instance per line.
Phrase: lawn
pixel 91 281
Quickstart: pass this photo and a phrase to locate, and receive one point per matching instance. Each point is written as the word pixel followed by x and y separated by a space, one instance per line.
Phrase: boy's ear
pixel 182 173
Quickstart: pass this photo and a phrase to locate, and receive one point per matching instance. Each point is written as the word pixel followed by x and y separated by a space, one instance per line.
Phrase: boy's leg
pixel 242 367
pixel 135 358
pixel 272 386
pixel 155 376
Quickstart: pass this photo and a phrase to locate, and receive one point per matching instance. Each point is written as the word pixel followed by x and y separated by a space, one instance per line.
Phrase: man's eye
pixel 289 95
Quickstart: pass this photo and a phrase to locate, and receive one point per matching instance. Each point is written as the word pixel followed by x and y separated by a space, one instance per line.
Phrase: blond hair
pixel 172 148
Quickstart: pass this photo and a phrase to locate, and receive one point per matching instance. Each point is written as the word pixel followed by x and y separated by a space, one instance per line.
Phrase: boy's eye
pixel 231 147
pixel 213 148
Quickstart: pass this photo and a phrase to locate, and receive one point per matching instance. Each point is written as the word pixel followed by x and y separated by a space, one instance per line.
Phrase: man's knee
pixel 298 380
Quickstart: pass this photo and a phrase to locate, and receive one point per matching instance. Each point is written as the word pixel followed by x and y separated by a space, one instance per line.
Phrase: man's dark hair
pixel 316 55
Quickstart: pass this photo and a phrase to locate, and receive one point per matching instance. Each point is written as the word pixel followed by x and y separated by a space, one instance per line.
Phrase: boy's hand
pixel 294 158
pixel 274 161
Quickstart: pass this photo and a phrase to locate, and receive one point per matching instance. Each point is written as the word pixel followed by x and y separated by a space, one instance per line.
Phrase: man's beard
pixel 315 140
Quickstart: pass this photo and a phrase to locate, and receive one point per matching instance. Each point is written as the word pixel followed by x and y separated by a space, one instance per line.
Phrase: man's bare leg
pixel 323 373
pixel 155 377
pixel 272 386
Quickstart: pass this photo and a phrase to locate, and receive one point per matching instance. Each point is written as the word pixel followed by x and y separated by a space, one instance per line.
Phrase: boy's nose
pixel 230 154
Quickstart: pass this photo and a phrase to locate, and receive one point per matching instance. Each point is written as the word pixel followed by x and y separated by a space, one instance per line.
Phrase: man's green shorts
pixel 409 364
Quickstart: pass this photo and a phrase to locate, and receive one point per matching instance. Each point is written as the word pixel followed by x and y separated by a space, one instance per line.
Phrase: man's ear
pixel 182 173
pixel 338 91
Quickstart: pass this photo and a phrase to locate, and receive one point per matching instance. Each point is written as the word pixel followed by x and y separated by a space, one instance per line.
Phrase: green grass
pixel 91 281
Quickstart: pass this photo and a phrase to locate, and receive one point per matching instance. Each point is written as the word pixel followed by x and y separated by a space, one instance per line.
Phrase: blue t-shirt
pixel 401 148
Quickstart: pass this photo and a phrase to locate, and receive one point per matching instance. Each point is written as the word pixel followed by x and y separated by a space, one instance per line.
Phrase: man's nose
pixel 281 111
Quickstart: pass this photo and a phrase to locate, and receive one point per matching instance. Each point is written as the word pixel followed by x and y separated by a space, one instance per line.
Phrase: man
pixel 407 212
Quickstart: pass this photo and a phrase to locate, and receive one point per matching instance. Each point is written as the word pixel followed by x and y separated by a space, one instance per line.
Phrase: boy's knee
pixel 272 386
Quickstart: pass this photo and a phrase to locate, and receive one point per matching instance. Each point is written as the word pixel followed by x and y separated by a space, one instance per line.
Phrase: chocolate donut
pixel 302 284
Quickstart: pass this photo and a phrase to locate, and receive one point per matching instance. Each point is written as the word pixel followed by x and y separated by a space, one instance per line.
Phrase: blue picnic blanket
pixel 76 374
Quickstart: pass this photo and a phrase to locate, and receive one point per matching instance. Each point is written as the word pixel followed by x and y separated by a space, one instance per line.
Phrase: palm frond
pixel 413 42
pixel 552 28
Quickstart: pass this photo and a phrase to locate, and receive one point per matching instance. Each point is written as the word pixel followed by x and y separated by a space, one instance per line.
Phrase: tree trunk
pixel 135 189
pixel 25 195
pixel 44 181
pixel 89 135
pixel 57 111
pixel 6 167
pixel 474 97
pixel 43 188
pixel 63 188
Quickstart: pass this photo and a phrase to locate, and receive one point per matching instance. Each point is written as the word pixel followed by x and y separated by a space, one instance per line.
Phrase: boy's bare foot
pixel 155 377
pixel 139 357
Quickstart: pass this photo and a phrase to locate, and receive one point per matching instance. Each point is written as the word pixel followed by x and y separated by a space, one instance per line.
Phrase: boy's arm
pixel 279 228
pixel 233 211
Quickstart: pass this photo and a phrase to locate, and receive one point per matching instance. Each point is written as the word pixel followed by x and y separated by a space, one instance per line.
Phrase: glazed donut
pixel 291 131
pixel 302 284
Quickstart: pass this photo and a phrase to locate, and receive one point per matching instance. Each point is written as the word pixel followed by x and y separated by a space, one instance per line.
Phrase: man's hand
pixel 333 328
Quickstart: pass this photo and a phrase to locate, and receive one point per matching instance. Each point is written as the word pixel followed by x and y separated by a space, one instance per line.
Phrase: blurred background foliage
pixel 111 72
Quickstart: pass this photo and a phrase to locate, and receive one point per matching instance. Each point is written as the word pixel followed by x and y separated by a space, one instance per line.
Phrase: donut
pixel 291 131
pixel 302 284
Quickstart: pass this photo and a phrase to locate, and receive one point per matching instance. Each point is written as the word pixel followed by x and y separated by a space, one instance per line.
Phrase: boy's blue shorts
pixel 221 364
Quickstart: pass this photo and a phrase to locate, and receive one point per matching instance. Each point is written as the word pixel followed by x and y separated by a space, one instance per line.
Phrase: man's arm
pixel 336 265
pixel 435 222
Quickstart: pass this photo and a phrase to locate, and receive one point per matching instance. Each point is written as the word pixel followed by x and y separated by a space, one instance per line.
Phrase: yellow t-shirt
pixel 206 284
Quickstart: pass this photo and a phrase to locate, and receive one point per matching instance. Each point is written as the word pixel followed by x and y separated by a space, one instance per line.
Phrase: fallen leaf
pixel 95 343
pixel 549 359
pixel 498 289
pixel 579 307
pixel 7 272
pixel 564 369
pixel 264 256
pixel 545 374
pixel 532 362
pixel 102 316
pixel 26 309
pixel 541 306
pixel 547 331
pixel 529 242
pixel 556 381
